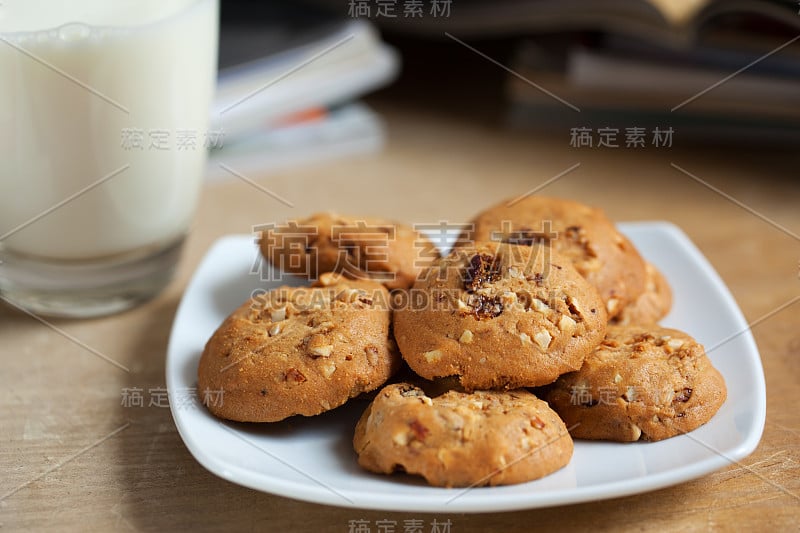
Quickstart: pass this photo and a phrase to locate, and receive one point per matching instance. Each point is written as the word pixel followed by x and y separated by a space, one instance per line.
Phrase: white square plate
pixel 312 459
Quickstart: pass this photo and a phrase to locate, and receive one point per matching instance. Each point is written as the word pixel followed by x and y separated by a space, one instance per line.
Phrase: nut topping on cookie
pixel 462 439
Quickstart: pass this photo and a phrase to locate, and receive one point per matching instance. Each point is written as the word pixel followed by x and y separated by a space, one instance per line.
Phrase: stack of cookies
pixel 540 326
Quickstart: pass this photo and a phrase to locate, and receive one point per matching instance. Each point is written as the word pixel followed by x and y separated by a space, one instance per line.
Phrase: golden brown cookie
pixel 647 383
pixel 358 247
pixel 500 316
pixel 605 257
pixel 300 351
pixel 462 439
pixel 652 305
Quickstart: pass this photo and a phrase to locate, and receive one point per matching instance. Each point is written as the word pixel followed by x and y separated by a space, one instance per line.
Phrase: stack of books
pixel 288 86
pixel 721 71
pixel 713 69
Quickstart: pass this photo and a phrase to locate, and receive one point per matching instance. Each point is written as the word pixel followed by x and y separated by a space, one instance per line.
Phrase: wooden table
pixel 59 401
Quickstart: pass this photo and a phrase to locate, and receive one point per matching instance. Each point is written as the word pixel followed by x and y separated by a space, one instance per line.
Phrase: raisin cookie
pixel 605 257
pixel 500 316
pixel 360 248
pixel 652 305
pixel 462 439
pixel 642 383
pixel 299 351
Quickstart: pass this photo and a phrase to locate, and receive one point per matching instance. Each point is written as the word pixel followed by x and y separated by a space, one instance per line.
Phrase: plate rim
pixel 341 497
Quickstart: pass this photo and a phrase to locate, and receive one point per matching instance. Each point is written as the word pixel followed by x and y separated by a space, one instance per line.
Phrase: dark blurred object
pixel 676 21
pixel 287 82
pixel 277 60
pixel 717 70
pixel 251 31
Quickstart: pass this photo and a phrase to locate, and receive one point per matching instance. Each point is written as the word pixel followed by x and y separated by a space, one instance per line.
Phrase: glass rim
pixel 116 28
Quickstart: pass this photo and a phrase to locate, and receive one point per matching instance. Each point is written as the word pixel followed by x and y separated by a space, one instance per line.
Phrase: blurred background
pixel 305 81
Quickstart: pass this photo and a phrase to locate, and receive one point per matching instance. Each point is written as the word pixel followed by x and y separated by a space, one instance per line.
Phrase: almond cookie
pixel 300 351
pixel 359 248
pixel 642 383
pixel 462 439
pixel 652 305
pixel 605 257
pixel 500 316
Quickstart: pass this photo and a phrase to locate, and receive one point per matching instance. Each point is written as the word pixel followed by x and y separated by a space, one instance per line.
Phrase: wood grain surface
pixel 73 457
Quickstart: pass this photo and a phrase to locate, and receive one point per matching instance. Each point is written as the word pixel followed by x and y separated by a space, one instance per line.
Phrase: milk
pixel 78 84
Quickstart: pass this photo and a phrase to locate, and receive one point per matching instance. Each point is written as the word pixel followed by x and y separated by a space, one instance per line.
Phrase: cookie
pixel 500 316
pixel 462 439
pixel 605 257
pixel 641 383
pixel 652 305
pixel 359 248
pixel 299 351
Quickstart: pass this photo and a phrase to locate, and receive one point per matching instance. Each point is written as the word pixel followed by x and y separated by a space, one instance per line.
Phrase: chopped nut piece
pixel 612 305
pixel 274 330
pixel 319 346
pixel 567 325
pixel 278 315
pixel 540 306
pixel 675 344
pixel 543 339
pixel 525 338
pixel 295 375
pixel 617 378
pixel 329 278
pixel 433 356
pixel 372 355
pixel 401 439
pixel 508 298
pixel 537 422
pixel 630 394
pixel 466 337
pixel 321 351
pixel 328 368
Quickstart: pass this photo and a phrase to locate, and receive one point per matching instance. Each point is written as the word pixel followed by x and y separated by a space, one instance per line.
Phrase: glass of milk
pixel 104 133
